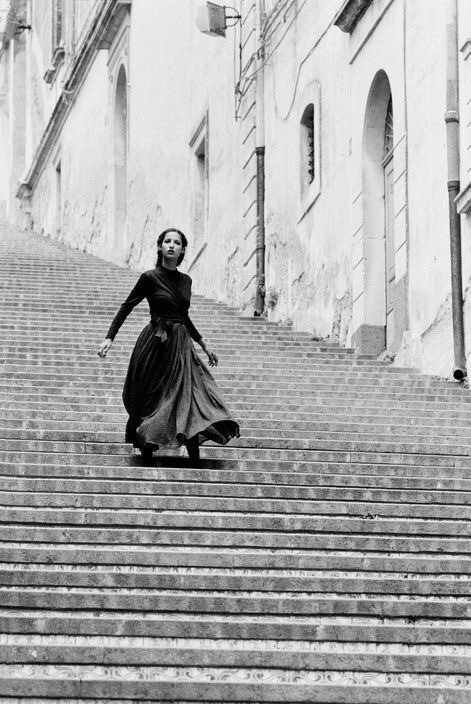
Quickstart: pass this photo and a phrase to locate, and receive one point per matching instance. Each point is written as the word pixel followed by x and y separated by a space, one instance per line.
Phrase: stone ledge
pixel 349 14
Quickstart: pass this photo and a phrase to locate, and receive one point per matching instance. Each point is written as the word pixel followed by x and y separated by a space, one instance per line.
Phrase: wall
pixel 308 248
pixel 171 69
pixel 464 43
pixel 82 152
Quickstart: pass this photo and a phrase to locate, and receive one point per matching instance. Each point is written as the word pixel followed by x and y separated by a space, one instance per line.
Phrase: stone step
pixel 265 431
pixel 413 410
pixel 248 603
pixel 47 453
pixel 310 629
pixel 218 532
pixel 216 583
pixel 318 393
pixel 191 513
pixel 349 482
pixel 96 369
pixel 312 378
pixel 83 305
pixel 175 496
pixel 240 359
pixel 93 326
pixel 198 652
pixel 399 565
pixel 251 369
pixel 99 428
pixel 111 419
pixel 29 441
pixel 155 685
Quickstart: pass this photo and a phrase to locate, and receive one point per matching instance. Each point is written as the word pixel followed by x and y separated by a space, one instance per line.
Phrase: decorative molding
pixel 349 14
pixel 112 27
pixel 371 30
pixel 197 256
pixel 108 18
pixel 58 56
pixel 119 46
pixel 466 49
pixel 49 74
pixel 199 132
pixel 463 200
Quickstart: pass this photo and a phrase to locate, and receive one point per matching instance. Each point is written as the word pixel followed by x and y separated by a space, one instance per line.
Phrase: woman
pixel 169 394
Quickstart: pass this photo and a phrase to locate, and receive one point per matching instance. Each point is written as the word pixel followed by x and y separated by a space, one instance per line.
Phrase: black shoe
pixel 193 450
pixel 146 453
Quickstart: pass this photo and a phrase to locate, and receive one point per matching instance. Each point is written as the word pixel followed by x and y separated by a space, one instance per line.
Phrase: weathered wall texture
pixel 308 242
pixel 168 97
pixel 80 216
pixel 193 78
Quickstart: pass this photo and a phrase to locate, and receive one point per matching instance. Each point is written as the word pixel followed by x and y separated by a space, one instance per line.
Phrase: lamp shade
pixel 211 19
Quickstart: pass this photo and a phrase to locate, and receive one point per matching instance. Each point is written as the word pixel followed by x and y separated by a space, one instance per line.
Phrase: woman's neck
pixel 171 266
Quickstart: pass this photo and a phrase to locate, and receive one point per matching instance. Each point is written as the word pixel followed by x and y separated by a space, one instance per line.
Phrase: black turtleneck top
pixel 161 303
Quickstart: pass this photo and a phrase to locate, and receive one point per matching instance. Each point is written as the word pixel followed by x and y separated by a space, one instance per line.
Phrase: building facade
pixel 308 154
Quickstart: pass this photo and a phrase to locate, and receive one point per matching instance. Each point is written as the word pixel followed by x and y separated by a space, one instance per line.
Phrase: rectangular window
pixel 199 182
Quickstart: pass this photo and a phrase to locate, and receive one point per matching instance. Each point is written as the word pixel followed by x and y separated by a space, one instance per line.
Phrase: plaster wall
pixel 42 96
pixel 165 106
pixel 82 153
pixel 4 142
pixel 429 343
pixel 308 243
pixel 12 127
pixel 177 98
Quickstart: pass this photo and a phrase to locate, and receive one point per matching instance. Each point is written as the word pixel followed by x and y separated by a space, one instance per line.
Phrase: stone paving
pixel 322 557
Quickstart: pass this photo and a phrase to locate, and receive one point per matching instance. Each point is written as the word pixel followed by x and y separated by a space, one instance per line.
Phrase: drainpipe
pixel 260 159
pixel 453 162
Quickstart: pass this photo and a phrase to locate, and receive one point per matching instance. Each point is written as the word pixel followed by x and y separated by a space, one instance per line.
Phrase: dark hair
pixel 161 238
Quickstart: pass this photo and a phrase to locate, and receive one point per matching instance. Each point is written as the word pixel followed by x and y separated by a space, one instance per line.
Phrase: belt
pixel 162 326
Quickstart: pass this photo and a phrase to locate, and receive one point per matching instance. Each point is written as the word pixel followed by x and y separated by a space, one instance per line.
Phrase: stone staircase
pixel 322 557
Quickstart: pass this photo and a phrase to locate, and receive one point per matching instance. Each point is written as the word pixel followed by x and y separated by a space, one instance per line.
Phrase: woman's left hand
pixel 212 358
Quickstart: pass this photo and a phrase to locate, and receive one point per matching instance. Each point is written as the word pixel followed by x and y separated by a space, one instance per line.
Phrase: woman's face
pixel 171 246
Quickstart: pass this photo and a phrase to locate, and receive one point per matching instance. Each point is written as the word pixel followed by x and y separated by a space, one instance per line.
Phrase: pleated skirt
pixel 171 396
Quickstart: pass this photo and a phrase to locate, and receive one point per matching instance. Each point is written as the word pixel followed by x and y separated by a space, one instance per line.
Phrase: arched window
pixel 308 146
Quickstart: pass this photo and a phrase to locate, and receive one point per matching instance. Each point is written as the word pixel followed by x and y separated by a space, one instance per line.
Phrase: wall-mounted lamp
pixel 212 19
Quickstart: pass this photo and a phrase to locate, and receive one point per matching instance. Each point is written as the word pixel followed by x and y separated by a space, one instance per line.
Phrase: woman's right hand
pixel 104 347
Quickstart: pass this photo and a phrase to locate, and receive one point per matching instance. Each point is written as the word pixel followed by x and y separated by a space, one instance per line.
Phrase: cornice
pixel 349 14
pixel 99 33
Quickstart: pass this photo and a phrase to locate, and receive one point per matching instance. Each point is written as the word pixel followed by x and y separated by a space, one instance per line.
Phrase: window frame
pixel 309 189
pixel 199 150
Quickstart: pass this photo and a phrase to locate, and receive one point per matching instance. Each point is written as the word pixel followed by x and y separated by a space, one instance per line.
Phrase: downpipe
pixel 260 249
pixel 459 369
pixel 452 121
pixel 260 161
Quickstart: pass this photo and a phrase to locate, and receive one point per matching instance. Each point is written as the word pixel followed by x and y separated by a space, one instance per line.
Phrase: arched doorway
pixel 120 158
pixel 378 212
pixel 390 269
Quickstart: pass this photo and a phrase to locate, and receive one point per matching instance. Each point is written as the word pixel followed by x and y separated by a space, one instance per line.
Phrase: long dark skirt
pixel 170 395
